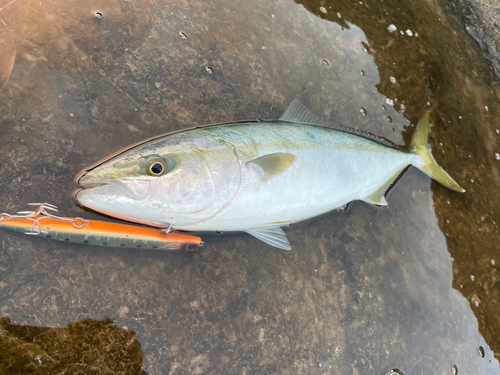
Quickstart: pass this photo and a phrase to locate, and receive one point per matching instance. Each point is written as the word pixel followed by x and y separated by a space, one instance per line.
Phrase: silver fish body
pixel 253 177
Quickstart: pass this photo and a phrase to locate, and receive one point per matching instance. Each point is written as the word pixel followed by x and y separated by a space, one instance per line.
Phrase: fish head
pixel 177 181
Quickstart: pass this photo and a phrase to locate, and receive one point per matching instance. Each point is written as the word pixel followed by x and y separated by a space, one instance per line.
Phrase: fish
pixel 95 232
pixel 253 177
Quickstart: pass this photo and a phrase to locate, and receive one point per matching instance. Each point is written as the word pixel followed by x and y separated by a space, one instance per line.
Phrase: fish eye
pixel 156 166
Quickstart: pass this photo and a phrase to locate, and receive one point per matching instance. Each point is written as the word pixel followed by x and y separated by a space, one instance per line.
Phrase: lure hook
pixel 40 213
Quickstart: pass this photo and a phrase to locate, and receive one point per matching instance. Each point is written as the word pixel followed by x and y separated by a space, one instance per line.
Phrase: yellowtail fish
pixel 252 177
pixel 77 230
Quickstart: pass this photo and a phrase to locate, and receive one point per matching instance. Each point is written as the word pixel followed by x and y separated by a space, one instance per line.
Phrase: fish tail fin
pixel 426 162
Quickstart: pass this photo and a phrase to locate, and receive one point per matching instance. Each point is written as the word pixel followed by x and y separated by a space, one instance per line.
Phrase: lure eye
pixel 157 166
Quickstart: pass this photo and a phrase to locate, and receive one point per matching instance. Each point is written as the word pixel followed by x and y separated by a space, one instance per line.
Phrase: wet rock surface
pixel 412 286
pixel 482 21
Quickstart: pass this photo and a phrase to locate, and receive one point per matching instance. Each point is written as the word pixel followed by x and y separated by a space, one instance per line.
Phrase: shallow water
pixel 413 286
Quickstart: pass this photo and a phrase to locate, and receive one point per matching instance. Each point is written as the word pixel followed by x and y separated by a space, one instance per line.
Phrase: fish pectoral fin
pixel 274 164
pixel 273 236
pixel 299 113
pixel 378 196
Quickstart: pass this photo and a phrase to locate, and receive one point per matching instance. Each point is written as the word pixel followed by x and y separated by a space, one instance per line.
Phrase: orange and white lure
pixel 41 222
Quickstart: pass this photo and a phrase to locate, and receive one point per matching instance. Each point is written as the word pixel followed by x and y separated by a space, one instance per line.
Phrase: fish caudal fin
pixel 427 164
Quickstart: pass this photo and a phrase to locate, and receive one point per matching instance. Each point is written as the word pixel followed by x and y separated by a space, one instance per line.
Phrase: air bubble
pixel 326 63
pixel 339 15
pixel 493 262
pixel 158 85
pixel 363 73
pixel 486 107
pixel 472 277
pixel 454 370
pixel 497 156
pixel 392 79
pixel 322 9
pixel 183 35
pixel 395 371
pixel 389 119
pixel 409 33
pixel 476 303
pixel 498 131
pixel 392 28
pixel 209 69
pixel 337 349
pixel 389 101
pixel 481 351
pixel 71 115
pixel 362 110
pixel 98 15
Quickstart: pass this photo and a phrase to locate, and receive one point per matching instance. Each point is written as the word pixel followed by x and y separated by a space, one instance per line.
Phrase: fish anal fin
pixel 274 164
pixel 378 196
pixel 273 236
pixel 298 113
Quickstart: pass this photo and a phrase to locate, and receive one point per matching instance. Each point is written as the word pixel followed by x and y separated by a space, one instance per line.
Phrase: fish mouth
pixel 136 190
pixel 84 185
pixel 91 184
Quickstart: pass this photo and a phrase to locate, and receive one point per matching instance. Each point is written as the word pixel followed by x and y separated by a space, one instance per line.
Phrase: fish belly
pixel 330 171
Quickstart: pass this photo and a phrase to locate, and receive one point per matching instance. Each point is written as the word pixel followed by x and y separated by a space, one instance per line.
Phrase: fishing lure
pixel 41 222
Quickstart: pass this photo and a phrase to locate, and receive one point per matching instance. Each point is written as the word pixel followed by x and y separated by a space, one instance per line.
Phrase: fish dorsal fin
pixel 273 236
pixel 298 113
pixel 274 164
pixel 378 196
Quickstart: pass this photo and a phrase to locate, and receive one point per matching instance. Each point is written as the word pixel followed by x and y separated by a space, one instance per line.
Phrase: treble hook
pixel 40 213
